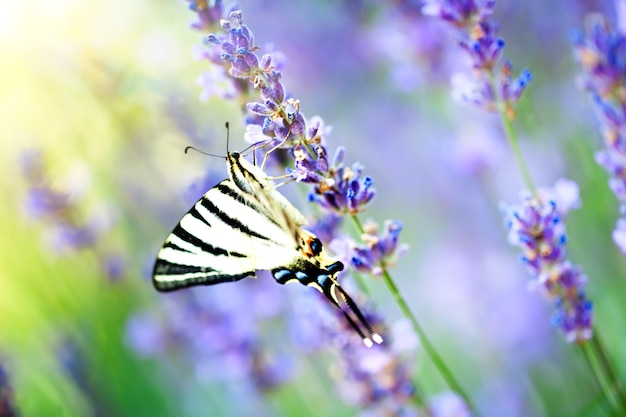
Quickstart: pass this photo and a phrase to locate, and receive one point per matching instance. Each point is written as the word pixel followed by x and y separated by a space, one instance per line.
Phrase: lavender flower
pixel 69 230
pixel 7 406
pixel 379 251
pixel 376 379
pixel 338 188
pixel 537 227
pixel 489 86
pixel 209 13
pixel 602 57
pixel 461 14
pixel 217 332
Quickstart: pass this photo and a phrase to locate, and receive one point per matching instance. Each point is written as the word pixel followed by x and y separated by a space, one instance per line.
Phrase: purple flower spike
pixel 459 13
pixel 345 192
pixel 491 85
pixel 537 227
pixel 379 251
pixel 216 332
pixel 376 379
pixel 601 53
pixel 341 189
pixel 208 15
pixel 68 228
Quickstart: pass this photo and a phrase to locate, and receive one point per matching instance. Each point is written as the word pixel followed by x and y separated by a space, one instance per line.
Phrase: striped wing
pixel 226 236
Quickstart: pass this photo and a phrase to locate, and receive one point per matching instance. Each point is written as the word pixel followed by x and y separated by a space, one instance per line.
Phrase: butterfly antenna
pixel 193 148
pixel 227 126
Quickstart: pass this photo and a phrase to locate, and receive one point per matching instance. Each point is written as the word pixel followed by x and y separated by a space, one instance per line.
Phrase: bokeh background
pixel 98 101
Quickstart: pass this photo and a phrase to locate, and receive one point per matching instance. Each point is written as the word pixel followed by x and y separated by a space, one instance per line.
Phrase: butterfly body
pixel 244 224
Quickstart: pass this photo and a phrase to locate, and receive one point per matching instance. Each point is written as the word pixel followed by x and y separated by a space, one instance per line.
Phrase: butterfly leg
pixel 272 150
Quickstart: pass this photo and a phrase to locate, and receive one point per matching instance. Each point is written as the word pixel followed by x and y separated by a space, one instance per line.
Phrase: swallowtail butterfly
pixel 242 225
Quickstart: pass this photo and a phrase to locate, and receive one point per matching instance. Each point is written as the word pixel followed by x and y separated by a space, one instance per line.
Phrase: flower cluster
pixel 379 251
pixel 276 121
pixel 338 188
pixel 209 15
pixel 602 57
pixel 491 86
pixel 216 331
pixel 377 378
pixel 68 229
pixel 537 227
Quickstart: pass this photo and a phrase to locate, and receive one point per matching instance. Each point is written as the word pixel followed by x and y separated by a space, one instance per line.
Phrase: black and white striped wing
pixel 225 237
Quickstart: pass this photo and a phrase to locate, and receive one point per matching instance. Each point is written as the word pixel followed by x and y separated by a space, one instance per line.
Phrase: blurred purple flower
pixel 477 150
pixel 601 53
pixel 209 13
pixel 619 234
pixel 489 86
pixel 376 379
pixel 69 229
pixel 7 401
pixel 448 404
pixel 537 226
pixel 620 6
pixel 402 37
pixel 459 13
pixel 216 331
pixel 215 83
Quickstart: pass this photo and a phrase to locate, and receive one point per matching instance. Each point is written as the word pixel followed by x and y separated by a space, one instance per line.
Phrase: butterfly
pixel 244 224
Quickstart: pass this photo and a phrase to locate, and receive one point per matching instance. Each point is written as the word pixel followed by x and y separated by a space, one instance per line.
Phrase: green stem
pixel 615 385
pixel 511 136
pixel 507 125
pixel 426 344
pixel 597 374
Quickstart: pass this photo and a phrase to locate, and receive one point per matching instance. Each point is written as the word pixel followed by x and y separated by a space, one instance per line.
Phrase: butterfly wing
pixel 227 235
pixel 194 254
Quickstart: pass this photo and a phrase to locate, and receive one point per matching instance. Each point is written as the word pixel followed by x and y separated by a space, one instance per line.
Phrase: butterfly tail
pixel 360 322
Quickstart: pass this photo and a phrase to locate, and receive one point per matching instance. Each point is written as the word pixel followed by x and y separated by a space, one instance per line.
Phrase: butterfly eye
pixel 315 246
